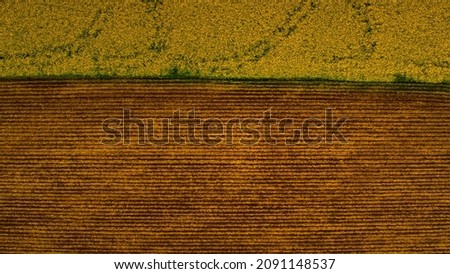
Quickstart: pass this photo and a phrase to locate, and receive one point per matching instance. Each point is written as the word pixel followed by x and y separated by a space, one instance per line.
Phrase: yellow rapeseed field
pixel 352 40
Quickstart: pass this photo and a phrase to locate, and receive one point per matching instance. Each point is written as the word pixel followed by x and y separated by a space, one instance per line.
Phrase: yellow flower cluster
pixel 352 40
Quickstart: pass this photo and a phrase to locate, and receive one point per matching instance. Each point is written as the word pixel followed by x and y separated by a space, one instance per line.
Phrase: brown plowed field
pixel 386 190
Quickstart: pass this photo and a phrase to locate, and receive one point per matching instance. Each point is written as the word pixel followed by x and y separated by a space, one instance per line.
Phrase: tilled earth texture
pixel 385 189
